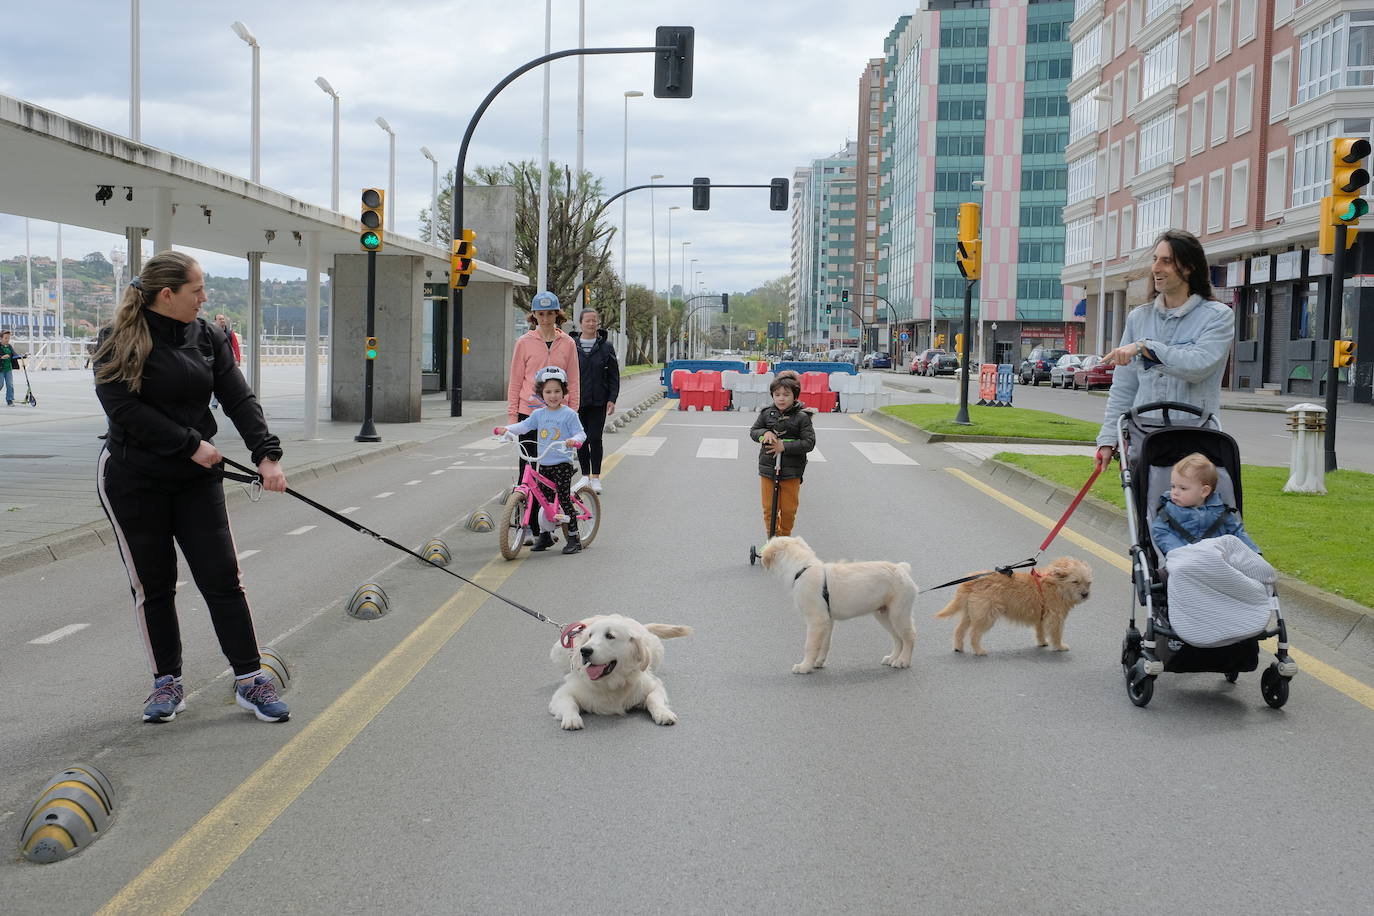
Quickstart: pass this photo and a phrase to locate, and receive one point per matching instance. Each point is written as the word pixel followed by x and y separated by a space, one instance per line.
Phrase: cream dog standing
pixel 610 666
pixel 826 592
pixel 1041 600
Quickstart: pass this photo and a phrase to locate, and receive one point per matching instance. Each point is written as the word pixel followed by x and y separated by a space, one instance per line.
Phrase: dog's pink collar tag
pixel 570 633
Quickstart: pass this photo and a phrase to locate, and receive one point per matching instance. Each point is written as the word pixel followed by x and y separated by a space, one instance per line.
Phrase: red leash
pixel 1072 506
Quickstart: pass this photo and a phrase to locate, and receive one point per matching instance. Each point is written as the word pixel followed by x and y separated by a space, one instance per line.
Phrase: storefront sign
pixel 1033 330
pixel 1235 273
pixel 1318 265
pixel 1288 265
pixel 1261 269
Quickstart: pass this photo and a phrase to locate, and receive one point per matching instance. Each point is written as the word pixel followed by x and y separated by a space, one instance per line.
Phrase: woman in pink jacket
pixel 544 345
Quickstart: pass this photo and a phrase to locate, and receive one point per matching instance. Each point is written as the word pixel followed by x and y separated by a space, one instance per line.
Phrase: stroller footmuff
pixel 1151 439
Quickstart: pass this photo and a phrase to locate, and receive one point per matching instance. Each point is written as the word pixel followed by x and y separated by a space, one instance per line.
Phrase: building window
pixel 1181 134
pixel 1312 164
pixel 1199 120
pixel 1042 141
pixel 1152 216
pixel 1128 159
pixel 1111 235
pixel 1033 252
pixel 1078 240
pixel 1245 99
pixel 966 109
pixel 1202 43
pixel 1084 115
pixel 1248 15
pixel 1157 141
pixel 1038 288
pixel 1082 178
pixel 1240 191
pixel 960 74
pixel 1161 66
pixel 1052 179
pixel 1087 53
pixel 1225 15
pixel 1132 84
pixel 1221 110
pixel 1185 54
pixel 959 145
pixel 1176 214
pixel 1039 32
pixel 1216 200
pixel 1040 216
pixel 1280 85
pixel 1276 184
pixel 1042 106
pixel 964 37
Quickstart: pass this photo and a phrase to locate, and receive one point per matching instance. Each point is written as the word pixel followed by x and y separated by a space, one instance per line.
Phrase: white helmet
pixel 548 372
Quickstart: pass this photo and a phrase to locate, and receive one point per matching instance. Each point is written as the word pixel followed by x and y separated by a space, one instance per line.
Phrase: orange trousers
pixel 789 495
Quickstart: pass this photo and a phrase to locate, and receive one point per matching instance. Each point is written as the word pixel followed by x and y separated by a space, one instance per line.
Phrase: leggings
pixel 561 475
pixel 593 424
pixel 150 512
pixel 789 496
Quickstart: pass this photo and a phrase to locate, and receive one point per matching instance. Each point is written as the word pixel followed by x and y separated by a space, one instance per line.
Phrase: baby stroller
pixel 1149 447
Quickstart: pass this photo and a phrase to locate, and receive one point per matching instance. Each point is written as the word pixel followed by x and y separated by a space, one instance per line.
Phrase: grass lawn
pixel 1318 539
pixel 1013 422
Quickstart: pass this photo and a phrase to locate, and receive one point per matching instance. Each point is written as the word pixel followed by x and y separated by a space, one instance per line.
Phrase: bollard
pixel 368 602
pixel 480 520
pixel 436 551
pixel 69 815
pixel 1307 423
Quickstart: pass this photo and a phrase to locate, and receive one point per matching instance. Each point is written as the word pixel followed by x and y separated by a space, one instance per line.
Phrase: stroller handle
pixel 1165 407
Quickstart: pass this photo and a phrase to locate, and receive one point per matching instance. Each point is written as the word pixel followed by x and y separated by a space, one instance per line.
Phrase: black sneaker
pixel 167 699
pixel 543 542
pixel 574 544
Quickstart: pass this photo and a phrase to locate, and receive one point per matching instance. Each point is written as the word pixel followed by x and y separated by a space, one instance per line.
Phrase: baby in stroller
pixel 1192 510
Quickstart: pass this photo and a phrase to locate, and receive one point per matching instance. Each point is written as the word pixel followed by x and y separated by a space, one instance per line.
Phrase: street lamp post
pixel 694 332
pixel 678 347
pixel 653 267
pixel 135 65
pixel 1104 95
pixel 241 31
pixel 391 176
pixel 433 195
pixel 334 158
pixel 624 219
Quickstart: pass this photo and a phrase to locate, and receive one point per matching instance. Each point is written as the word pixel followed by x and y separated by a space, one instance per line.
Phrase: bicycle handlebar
pixel 559 445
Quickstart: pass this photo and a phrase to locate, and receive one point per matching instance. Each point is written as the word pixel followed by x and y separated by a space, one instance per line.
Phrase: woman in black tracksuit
pixel 156 366
pixel 599 371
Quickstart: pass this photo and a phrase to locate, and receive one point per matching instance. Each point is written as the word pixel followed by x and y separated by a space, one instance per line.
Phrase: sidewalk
pixel 48 455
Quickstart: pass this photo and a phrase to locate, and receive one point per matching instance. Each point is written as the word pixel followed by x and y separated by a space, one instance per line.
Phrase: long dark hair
pixel 1190 260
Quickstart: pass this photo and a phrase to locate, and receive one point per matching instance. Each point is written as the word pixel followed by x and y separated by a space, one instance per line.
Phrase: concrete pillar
pixel 133 239
pixel 312 335
pixel 400 287
pixel 253 345
pixel 162 219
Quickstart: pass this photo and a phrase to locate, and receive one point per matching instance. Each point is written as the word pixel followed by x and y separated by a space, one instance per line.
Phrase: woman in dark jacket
pixel 156 366
pixel 600 375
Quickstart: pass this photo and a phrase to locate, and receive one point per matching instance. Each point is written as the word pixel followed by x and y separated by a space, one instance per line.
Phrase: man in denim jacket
pixel 1173 349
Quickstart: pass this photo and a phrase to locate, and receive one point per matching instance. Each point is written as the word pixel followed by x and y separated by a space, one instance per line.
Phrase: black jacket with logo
pixel 598 372
pixel 798 437
pixel 159 428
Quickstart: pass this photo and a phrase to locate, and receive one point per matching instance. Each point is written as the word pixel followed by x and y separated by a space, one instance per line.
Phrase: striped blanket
pixel 1218 591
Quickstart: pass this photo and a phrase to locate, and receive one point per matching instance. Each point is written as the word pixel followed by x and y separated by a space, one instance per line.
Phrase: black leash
pixel 253 478
pixel 1004 570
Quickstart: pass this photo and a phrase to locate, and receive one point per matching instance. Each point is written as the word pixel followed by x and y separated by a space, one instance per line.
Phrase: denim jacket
pixel 1189 344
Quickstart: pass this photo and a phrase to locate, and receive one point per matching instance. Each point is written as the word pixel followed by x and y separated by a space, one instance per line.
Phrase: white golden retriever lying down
pixel 610 666
pixel 826 592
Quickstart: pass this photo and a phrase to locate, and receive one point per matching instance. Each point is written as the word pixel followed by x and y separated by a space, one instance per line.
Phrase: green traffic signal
pixel 1354 209
pixel 370 241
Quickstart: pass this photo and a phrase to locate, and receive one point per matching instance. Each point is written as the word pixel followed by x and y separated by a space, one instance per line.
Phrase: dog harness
pixel 825 585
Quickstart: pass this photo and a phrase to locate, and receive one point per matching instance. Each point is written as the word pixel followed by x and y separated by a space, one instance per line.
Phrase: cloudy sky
pixel 775 87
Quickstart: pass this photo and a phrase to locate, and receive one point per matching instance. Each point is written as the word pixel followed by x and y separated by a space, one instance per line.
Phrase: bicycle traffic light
pixel 463 260
pixel 970 256
pixel 373 219
pixel 1348 177
pixel 725 303
pixel 370 348
pixel 777 194
pixel 701 193
pixel 1344 354
pixel 673 67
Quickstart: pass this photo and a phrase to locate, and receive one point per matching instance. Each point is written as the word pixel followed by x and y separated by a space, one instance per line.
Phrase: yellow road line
pixel 653 421
pixel 877 429
pixel 177 878
pixel 609 462
pixel 1332 677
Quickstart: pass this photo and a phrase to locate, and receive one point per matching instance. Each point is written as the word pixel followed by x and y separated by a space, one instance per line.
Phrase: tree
pixel 576 232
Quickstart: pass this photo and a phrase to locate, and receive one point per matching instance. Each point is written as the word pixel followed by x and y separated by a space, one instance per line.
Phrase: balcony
pixel 1157 103
pixel 1167 21
pixel 1086 15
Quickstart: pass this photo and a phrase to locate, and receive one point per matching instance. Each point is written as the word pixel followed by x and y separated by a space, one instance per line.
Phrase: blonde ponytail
pixel 121 355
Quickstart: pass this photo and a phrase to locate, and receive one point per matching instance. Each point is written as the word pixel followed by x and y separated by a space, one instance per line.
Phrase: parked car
pixel 1036 367
pixel 918 362
pixel 1093 373
pixel 937 362
pixel 1061 376
pixel 876 360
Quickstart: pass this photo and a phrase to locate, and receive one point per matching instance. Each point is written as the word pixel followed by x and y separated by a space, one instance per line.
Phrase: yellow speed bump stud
pixel 72 811
pixel 436 552
pixel 368 602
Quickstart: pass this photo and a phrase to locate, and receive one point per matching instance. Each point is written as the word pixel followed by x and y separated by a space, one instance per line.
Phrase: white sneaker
pixel 596 484
pixel 527 537
pixel 582 484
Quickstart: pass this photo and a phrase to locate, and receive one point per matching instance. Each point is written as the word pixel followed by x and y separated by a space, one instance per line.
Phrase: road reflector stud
pixel 436 552
pixel 70 814
pixel 480 520
pixel 275 667
pixel 368 602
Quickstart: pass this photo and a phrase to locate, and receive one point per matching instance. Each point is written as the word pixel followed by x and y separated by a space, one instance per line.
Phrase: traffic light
pixel 673 68
pixel 370 348
pixel 701 193
pixel 939 341
pixel 466 343
pixel 844 296
pixel 959 347
pixel 373 218
pixel 463 260
pixel 827 308
pixel 1348 177
pixel 970 255
pixel 777 194
pixel 725 303
pixel 1345 354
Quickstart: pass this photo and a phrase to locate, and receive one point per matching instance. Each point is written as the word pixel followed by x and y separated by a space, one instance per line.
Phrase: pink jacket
pixel 532 354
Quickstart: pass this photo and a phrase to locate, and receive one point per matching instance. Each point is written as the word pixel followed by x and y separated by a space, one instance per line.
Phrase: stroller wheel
pixel 1140 687
pixel 1232 676
pixel 1274 687
pixel 1130 651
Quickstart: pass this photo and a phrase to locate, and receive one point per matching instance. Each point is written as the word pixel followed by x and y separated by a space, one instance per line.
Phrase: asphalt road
pixel 421 771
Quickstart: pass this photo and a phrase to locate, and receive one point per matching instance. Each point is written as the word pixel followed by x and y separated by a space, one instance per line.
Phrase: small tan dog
pixel 1041 600
pixel 827 592
pixel 610 662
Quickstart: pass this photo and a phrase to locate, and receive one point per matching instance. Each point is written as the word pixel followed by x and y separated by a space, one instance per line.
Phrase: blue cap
pixel 544 302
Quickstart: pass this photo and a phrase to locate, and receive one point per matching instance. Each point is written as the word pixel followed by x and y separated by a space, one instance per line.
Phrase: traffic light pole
pixel 892 320
pixel 688 302
pixel 456 360
pixel 1335 301
pixel 863 327
pixel 962 417
pixel 369 432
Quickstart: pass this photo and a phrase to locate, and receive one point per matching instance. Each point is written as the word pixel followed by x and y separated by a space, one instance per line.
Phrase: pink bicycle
pixel 519 512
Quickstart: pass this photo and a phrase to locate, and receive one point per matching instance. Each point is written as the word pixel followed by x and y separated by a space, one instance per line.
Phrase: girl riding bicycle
pixel 556 422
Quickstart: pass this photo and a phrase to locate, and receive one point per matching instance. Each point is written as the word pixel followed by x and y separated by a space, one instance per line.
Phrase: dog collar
pixel 1036 577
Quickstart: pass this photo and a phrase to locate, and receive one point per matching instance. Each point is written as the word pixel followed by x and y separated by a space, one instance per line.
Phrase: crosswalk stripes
pixel 883 453
pixel 718 448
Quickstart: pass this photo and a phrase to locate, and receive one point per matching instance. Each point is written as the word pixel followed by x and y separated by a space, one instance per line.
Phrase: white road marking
pixel 718 448
pixel 55 635
pixel 350 510
pixel 485 444
pixel 180 583
pixel 243 555
pixel 883 453
pixel 411 483
pixel 385 495
pixel 814 455
pixel 440 471
pixel 301 530
pixel 643 445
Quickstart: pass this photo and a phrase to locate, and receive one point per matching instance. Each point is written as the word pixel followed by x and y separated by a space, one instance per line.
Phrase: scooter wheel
pixel 753 555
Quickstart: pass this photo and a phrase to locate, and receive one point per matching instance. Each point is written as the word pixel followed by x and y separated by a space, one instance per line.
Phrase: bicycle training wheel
pixel 510 534
pixel 588 527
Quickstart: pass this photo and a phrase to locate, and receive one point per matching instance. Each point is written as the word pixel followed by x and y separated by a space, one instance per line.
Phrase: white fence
pixel 75 352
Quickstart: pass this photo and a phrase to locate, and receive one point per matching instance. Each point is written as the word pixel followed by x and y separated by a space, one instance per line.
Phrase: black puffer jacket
pixel 793 427
pixel 598 371
pixel 159 428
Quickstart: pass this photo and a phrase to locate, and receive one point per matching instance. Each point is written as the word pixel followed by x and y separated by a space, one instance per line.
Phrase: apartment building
pixel 1217 117
pixel 823 217
pixel 868 192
